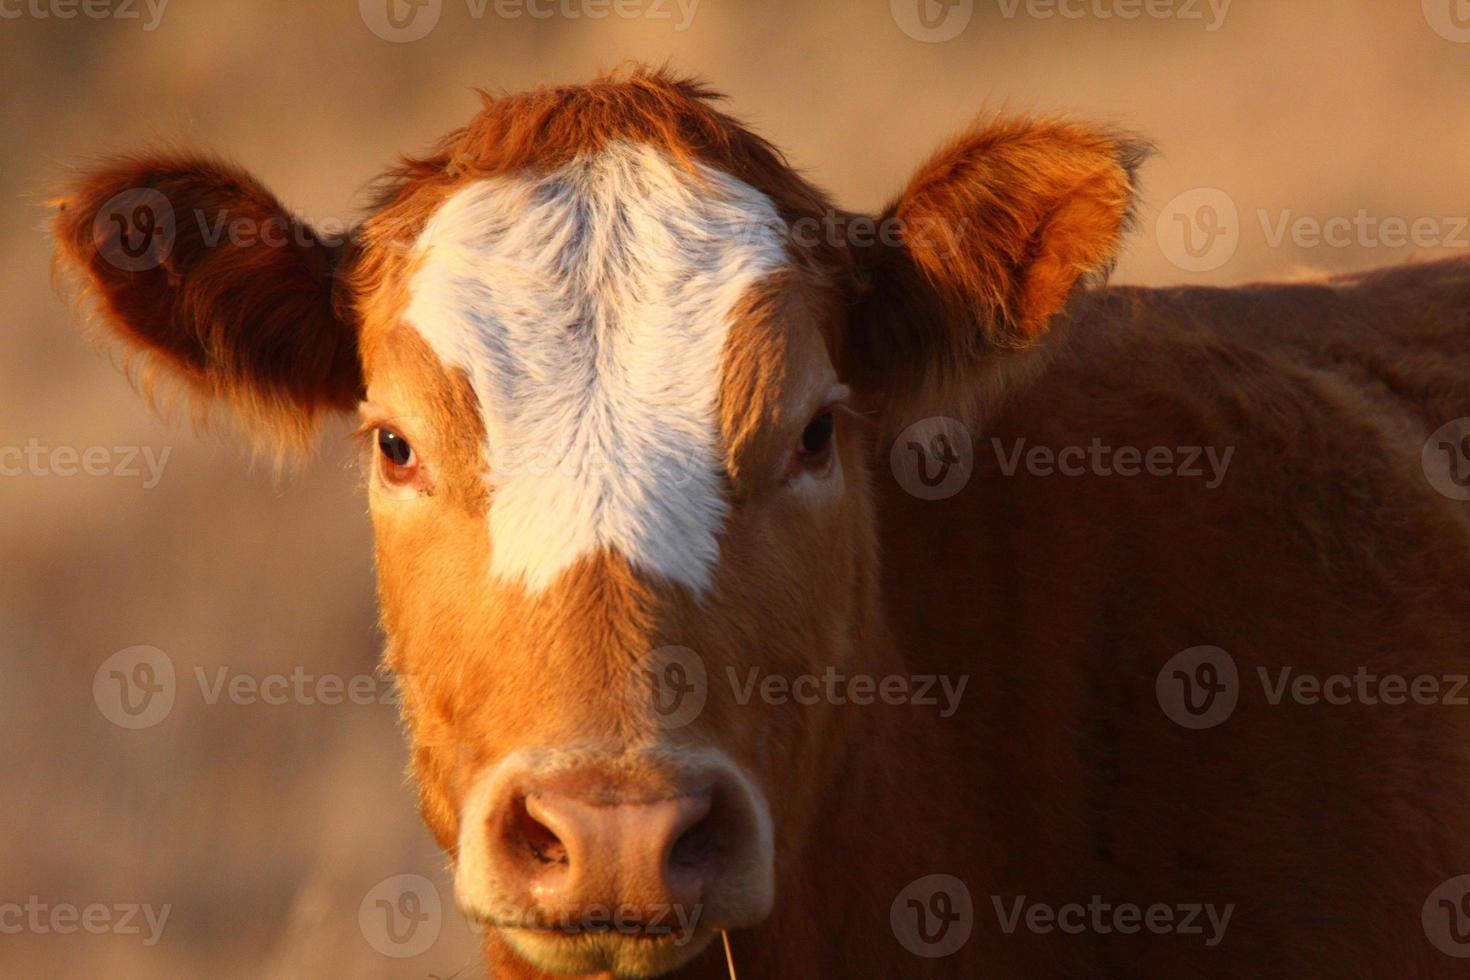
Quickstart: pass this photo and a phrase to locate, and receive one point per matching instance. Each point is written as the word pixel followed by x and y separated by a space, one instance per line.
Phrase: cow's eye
pixel 816 438
pixel 813 451
pixel 400 462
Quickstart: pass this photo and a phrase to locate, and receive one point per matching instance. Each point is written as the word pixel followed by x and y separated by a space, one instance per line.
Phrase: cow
pixel 780 589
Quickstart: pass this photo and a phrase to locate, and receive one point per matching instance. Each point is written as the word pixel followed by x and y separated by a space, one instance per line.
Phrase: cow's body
pixel 625 404
pixel 1323 550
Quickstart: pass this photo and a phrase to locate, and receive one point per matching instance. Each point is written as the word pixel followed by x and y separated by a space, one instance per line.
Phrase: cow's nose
pixel 557 849
pixel 646 855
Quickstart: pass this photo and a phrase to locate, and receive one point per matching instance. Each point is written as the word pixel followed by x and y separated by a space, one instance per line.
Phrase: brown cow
pixel 888 595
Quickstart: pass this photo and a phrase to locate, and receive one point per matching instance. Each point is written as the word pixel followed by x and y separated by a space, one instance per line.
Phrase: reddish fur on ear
pixel 199 268
pixel 997 228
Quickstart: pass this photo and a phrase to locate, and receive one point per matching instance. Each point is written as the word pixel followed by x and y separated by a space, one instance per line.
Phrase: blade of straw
pixel 729 956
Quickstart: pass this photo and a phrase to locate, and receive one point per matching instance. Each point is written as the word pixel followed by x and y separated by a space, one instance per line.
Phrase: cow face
pixel 617 417
pixel 613 468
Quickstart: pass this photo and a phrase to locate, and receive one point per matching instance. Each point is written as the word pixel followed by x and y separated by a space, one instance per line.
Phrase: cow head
pixel 620 372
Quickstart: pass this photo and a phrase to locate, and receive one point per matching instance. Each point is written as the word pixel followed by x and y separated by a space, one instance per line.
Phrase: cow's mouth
pixel 624 950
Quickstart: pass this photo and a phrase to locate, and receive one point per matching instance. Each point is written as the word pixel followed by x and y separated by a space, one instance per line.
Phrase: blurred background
pixel 281 839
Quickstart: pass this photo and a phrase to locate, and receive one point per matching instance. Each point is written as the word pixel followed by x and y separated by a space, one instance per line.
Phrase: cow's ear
pixel 198 268
pixel 980 254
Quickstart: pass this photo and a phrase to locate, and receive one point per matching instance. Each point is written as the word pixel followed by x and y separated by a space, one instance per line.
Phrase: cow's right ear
pixel 200 269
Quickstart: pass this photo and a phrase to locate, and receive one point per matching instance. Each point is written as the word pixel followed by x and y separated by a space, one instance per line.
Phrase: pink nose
pixel 647 855
pixel 564 849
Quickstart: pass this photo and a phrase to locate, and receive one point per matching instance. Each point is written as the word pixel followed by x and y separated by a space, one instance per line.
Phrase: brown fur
pixel 1060 598
pixel 255 326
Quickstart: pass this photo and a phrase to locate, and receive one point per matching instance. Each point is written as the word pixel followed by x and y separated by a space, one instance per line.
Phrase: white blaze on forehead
pixel 590 307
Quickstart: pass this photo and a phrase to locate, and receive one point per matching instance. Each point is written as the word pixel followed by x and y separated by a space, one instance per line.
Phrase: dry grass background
pixel 264 826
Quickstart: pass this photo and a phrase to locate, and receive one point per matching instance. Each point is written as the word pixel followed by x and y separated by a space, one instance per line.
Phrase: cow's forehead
pixel 590 306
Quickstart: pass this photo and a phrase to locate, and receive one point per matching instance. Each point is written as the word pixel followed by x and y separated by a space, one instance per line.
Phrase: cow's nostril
pixel 698 847
pixel 534 836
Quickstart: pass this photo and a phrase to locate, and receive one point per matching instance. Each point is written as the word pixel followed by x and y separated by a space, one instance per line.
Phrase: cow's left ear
pixel 981 252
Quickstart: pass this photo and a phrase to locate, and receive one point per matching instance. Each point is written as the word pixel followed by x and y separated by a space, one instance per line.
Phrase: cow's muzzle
pixel 628 862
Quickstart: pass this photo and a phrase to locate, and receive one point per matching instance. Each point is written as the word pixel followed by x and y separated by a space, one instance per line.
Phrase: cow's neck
pixel 891 807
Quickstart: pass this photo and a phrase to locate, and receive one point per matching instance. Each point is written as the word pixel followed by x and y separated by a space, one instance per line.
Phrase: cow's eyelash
pixel 371 424
pixel 845 410
pixel 363 434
